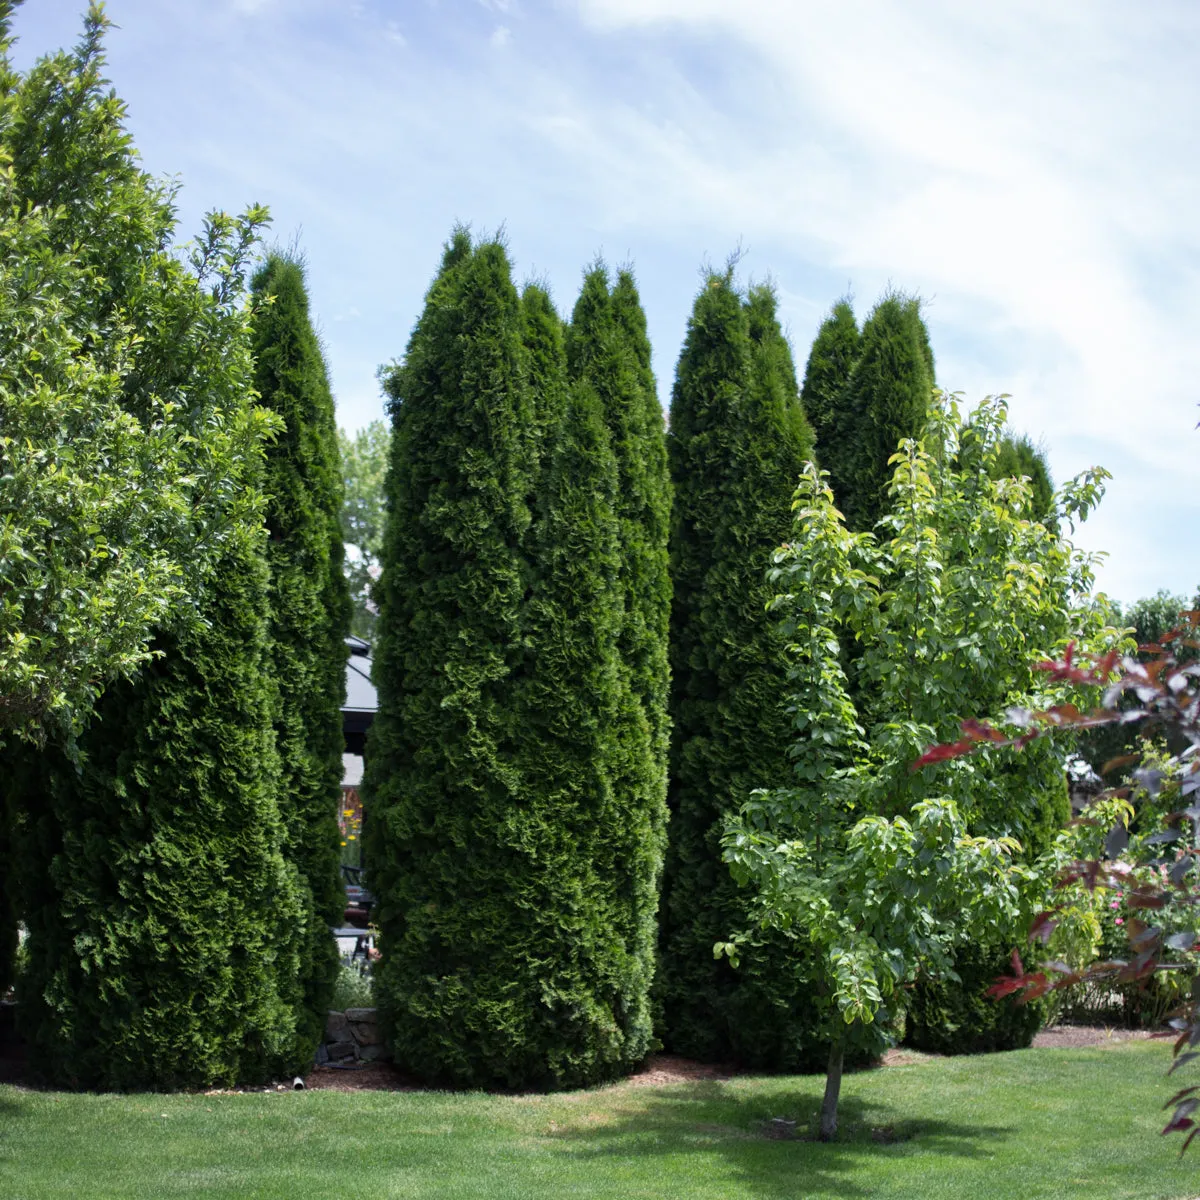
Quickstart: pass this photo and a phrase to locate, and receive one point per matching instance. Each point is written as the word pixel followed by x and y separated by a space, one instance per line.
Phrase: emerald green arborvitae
pixel 823 395
pixel 453 836
pixel 163 919
pixel 582 924
pixel 310 617
pixel 608 350
pixel 887 398
pixel 738 437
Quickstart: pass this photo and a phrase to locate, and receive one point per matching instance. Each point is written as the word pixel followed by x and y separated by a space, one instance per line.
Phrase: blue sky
pixel 1032 170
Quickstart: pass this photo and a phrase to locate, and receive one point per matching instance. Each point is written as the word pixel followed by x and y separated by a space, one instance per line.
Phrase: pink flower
pixel 1115 904
pixel 1120 920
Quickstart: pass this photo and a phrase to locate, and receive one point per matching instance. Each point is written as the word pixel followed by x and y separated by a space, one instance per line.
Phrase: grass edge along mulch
pixel 1036 1123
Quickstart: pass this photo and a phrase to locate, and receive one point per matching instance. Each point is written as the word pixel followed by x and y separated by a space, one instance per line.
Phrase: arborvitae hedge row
pixel 164 922
pixel 310 617
pixel 737 441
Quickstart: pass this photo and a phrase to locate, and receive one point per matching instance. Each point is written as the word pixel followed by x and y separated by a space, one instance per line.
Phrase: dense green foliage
pixel 364 468
pixel 948 1016
pixel 737 443
pixel 310 616
pixel 444 845
pixel 607 347
pixel 114 360
pixel 608 354
pixel 513 785
pixel 823 395
pixel 886 400
pixel 163 920
pixel 1018 456
pixel 162 917
pixel 951 612
pixel 516 871
pixel 595 847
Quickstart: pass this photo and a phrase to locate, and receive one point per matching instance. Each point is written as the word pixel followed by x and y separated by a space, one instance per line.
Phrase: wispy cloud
pixel 1032 170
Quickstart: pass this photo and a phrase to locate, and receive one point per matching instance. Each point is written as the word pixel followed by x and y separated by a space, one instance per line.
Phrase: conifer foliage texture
pixel 310 616
pixel 162 916
pixel 737 442
pixel 887 399
pixel 514 877
pixel 869 391
pixel 830 361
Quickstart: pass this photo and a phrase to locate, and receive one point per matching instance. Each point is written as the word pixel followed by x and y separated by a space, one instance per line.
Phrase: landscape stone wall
pixel 351 1037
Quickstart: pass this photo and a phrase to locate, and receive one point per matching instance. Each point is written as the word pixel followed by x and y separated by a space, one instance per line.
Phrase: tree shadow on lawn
pixel 711 1118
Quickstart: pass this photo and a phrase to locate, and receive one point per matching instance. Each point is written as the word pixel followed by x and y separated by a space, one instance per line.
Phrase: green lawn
pixel 1038 1123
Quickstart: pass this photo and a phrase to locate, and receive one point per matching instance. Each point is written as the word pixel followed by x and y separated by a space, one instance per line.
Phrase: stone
pixel 372 1053
pixel 322 1055
pixel 337 1028
pixel 340 1050
pixel 360 1014
pixel 365 1034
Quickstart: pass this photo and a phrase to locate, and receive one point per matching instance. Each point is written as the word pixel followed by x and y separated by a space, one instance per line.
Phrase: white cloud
pixel 501 36
pixel 1033 167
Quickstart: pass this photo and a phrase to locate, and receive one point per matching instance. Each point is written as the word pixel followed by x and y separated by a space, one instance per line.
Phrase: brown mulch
pixel 374 1077
pixel 657 1071
pixel 1070 1036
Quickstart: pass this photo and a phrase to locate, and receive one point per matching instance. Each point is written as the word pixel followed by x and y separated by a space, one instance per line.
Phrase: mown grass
pixel 1038 1123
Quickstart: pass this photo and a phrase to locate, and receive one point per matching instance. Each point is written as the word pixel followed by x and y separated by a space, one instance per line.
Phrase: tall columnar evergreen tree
pixel 161 913
pixel 164 922
pixel 453 842
pixel 826 376
pixel 738 440
pixel 886 400
pixel 608 350
pixel 310 616
pixel 586 938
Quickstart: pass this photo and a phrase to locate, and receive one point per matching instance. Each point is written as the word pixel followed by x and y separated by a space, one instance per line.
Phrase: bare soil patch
pixel 1068 1036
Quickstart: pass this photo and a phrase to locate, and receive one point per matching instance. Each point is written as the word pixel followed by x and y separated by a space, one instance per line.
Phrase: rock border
pixel 351 1037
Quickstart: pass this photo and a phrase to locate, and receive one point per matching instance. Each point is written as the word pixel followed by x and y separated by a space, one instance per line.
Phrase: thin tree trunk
pixel 833 1087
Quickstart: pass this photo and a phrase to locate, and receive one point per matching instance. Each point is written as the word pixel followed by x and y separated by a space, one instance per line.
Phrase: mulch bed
pixel 659 1070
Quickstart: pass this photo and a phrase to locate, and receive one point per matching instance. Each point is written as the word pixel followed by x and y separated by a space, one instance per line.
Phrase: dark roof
pixel 359 710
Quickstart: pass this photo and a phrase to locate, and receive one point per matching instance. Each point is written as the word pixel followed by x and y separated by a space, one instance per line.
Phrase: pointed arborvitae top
pixel 737 443
pixel 607 346
pixel 889 396
pixel 310 612
pixel 830 362
pixel 775 375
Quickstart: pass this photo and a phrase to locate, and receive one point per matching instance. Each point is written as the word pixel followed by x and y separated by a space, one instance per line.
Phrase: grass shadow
pixel 714 1118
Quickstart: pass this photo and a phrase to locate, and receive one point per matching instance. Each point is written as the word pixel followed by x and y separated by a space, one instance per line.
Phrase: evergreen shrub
pixel 510 842
pixel 163 921
pixel 738 438
pixel 309 617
